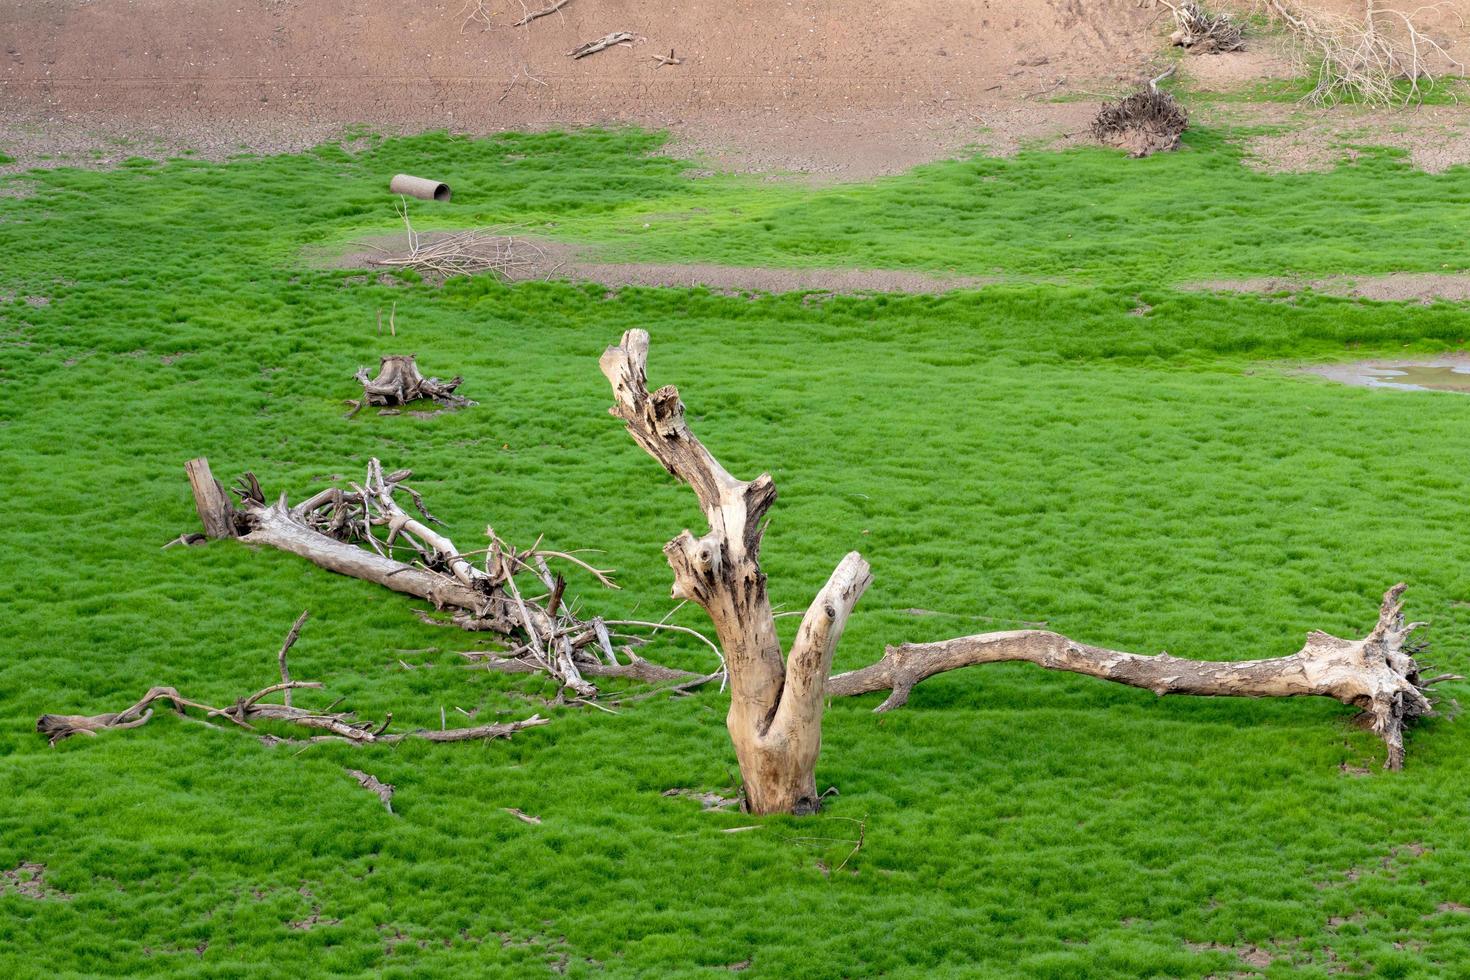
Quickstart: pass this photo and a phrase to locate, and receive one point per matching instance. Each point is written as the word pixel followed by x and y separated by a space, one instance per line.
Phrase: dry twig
pixel 544 11
pixel 602 44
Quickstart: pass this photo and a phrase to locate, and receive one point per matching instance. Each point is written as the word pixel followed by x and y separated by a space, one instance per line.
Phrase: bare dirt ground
pixel 539 259
pixel 823 87
pixel 827 89
pixel 1426 287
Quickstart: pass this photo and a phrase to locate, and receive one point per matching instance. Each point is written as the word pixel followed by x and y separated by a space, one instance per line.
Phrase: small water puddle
pixel 1439 375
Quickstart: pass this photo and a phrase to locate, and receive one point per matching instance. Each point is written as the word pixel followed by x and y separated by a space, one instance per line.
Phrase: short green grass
pixel 1133 464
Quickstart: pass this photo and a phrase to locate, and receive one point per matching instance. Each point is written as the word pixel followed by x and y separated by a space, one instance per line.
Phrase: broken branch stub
pixel 1377 674
pixel 776 703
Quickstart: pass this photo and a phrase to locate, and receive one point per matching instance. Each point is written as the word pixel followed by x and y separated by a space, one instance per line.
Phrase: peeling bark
pixel 776 702
pixel 1377 674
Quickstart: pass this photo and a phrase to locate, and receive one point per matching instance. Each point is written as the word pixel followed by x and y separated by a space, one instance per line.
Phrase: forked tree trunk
pixel 775 717
pixel 1377 674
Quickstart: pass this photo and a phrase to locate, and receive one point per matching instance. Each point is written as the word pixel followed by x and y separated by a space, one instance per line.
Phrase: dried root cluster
pixel 1148 121
pixel 1202 32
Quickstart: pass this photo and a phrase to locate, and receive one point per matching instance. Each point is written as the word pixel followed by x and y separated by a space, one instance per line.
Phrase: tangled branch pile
pixel 462 253
pixel 1202 32
pixel 362 531
pixel 1385 59
pixel 1146 122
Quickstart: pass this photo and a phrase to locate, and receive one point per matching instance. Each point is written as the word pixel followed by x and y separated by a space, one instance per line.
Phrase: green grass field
pixel 1084 444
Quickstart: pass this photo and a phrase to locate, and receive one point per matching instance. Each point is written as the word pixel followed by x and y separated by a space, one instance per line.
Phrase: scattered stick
pixel 602 44
pixel 371 783
pixel 475 11
pixel 246 711
pixel 510 86
pixel 522 816
pixel 666 59
pixel 543 12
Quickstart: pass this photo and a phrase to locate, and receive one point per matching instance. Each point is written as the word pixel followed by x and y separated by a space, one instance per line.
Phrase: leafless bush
pixel 1203 32
pixel 1384 59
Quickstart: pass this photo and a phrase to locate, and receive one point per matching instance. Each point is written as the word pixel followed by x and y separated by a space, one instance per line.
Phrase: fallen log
pixel 1377 674
pixel 363 532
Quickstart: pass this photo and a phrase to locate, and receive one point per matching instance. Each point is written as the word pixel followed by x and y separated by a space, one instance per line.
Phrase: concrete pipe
pixel 420 187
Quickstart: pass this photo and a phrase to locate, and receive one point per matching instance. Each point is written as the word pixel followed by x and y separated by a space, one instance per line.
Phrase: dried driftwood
pixel 602 44
pixel 246 712
pixel 1377 674
pixel 1148 121
pixel 775 716
pixel 399 383
pixel 362 531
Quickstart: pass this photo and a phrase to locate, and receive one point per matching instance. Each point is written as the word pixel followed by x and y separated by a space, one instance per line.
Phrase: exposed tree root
pixel 1148 121
pixel 1377 674
pixel 400 383
pixel 775 716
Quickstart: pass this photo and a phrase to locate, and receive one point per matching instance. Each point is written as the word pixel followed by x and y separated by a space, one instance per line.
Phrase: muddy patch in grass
pixel 28 879
pixel 1439 374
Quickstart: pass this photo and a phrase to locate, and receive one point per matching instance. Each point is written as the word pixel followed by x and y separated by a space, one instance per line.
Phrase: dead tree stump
pixel 775 717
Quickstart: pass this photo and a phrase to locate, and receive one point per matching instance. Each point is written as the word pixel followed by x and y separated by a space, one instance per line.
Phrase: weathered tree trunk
pixel 1377 674
pixel 775 717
